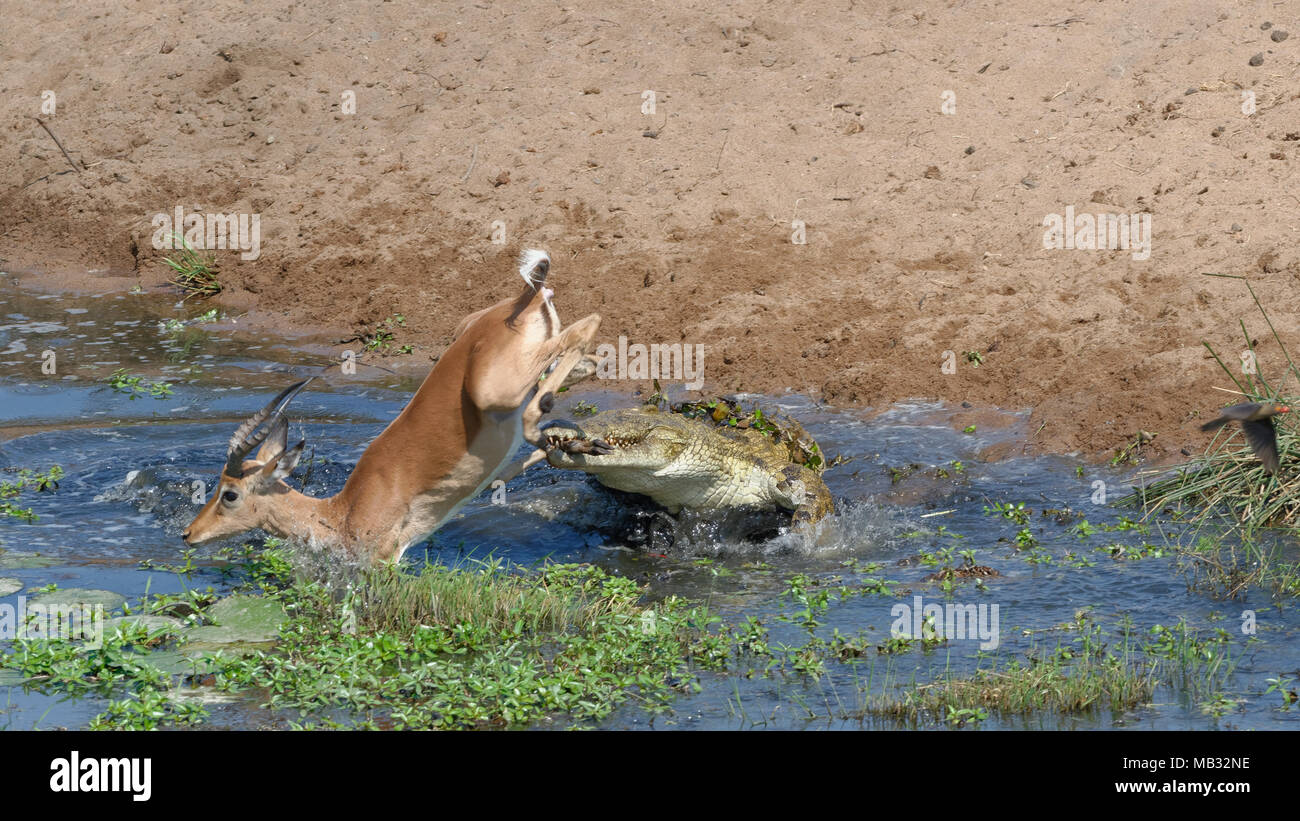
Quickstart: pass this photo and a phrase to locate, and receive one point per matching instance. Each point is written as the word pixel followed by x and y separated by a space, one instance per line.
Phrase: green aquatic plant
pixel 1285 687
pixel 479 645
pixel 123 668
pixel 1017 513
pixel 380 338
pixel 11 490
pixel 135 386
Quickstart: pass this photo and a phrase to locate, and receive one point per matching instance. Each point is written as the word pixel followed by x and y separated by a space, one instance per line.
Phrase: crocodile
pixel 688 458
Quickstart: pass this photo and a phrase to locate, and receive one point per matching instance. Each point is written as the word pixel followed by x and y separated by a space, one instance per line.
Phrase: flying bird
pixel 1256 420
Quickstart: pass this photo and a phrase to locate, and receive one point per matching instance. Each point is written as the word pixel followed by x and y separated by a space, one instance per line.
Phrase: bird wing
pixel 1245 410
pixel 1263 440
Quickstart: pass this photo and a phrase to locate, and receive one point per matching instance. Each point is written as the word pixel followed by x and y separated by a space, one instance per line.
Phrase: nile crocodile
pixel 682 461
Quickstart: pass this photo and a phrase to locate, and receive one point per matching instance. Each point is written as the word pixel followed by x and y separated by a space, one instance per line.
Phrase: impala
pixel 474 409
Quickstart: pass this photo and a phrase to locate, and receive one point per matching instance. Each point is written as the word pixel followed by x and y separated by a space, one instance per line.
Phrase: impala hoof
pixel 591 447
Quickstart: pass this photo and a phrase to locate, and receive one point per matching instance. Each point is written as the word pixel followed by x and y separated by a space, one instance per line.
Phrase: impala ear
pixel 276 441
pixel 283 464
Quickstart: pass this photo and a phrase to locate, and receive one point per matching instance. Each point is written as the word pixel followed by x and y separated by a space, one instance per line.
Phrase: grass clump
pixel 1086 675
pixel 1228 478
pixel 1024 688
pixel 195 273
pixel 478 646
pixel 562 598
pixel 1096 670
pixel 463 647
pixel 1228 565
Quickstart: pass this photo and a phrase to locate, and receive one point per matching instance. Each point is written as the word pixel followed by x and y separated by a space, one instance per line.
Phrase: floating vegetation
pixel 11 490
pixel 726 413
pixel 380 338
pixel 450 647
pixel 479 645
pixel 135 386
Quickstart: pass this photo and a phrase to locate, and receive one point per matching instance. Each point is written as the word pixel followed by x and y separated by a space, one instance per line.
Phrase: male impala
pixel 477 405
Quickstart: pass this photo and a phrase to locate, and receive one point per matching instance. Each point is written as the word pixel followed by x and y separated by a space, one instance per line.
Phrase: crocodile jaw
pixel 601 449
pixel 656 463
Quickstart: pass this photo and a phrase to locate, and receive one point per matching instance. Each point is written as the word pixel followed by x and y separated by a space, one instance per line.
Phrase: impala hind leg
pixel 497 382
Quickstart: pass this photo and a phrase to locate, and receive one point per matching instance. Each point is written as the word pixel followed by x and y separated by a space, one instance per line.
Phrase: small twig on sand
pixel 66 155
pixel 1059 23
pixel 473 159
pixel 46 177
pixel 1225 390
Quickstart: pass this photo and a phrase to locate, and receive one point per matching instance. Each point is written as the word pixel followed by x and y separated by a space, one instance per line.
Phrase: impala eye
pixel 230 496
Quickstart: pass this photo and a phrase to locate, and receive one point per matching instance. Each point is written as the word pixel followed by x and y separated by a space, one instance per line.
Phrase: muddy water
pixel 131 468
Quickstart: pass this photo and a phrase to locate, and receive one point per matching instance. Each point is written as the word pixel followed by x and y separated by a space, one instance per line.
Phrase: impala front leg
pixel 571 346
pixel 544 400
pixel 541 403
pixel 583 371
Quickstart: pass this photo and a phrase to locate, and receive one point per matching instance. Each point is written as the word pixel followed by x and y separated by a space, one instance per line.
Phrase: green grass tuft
pixel 196 274
pixel 1228 478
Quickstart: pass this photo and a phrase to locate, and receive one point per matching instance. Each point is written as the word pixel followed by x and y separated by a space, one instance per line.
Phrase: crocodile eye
pixel 230 496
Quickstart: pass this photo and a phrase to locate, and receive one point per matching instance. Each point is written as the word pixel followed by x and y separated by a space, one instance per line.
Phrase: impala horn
pixel 245 438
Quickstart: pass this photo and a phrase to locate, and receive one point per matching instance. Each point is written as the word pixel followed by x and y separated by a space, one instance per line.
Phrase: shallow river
pixel 131 466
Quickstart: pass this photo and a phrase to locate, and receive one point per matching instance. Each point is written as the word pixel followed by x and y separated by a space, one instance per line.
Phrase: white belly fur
pixel 423 519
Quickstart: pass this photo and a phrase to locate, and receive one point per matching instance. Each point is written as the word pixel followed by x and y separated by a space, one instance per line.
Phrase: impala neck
pixel 290 514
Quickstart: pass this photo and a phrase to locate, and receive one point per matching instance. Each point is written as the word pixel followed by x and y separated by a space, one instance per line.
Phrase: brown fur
pixel 449 442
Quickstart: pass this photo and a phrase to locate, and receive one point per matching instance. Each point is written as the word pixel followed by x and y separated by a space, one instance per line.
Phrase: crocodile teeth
pixel 554 440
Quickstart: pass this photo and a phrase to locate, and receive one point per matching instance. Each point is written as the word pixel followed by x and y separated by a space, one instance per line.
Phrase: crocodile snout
pixel 569 438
